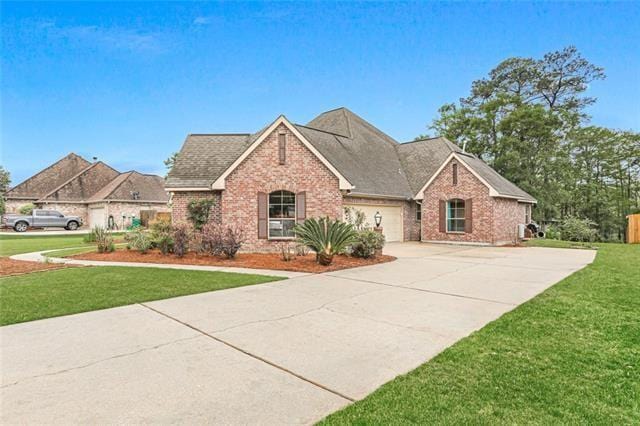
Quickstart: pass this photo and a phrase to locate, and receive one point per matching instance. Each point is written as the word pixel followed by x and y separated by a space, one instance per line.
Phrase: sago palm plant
pixel 325 236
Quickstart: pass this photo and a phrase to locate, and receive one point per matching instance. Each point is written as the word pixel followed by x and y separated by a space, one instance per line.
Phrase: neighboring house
pixel 425 190
pixel 93 191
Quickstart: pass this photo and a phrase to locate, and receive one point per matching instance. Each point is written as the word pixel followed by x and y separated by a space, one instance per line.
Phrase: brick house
pixel 265 182
pixel 94 191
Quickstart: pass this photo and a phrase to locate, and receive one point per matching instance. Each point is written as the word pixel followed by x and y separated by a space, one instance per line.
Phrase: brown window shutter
pixel 443 216
pixel 262 215
pixel 282 148
pixel 468 216
pixel 301 206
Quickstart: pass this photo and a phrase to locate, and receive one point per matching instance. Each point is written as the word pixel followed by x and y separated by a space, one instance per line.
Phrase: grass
pixel 76 250
pixel 68 291
pixel 569 356
pixel 16 244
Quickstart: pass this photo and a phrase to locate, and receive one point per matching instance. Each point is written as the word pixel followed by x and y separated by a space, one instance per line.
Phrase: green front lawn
pixel 570 355
pixel 16 244
pixel 68 291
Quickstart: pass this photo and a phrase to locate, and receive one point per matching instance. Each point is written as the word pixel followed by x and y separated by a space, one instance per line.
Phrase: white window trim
pixel 344 184
pixel 464 218
pixel 269 218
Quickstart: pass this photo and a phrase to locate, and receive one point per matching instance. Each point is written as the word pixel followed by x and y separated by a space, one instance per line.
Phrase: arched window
pixel 282 214
pixel 455 215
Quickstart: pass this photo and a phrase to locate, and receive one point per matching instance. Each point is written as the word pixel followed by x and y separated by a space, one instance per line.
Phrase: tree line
pixel 528 120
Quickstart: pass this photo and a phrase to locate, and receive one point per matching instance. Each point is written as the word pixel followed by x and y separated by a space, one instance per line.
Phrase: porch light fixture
pixel 378 219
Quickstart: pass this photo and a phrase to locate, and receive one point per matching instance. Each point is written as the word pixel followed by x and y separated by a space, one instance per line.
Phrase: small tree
pixel 5 180
pixel 27 209
pixel 198 212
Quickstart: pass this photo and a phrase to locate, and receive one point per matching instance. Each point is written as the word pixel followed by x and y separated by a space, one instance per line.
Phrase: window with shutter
pixel 456 216
pixel 282 214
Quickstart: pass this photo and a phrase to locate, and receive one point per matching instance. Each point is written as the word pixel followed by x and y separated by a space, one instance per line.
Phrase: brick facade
pixel 495 220
pixel 261 171
pixel 180 201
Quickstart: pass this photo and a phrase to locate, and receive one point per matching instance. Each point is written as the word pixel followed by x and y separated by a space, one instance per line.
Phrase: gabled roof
pixel 122 188
pixel 422 158
pixel 49 178
pixel 83 185
pixel 372 162
pixel 204 157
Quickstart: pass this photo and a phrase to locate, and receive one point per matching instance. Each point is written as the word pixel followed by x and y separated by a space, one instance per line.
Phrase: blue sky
pixel 125 82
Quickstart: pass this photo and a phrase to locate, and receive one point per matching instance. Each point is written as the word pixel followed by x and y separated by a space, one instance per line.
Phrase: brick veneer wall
pixel 118 208
pixel 180 201
pixel 410 228
pixel 68 209
pixel 507 215
pixel 13 206
pixel 261 172
pixel 495 219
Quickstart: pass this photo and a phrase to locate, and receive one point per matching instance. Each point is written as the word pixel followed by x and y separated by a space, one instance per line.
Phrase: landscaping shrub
pixel 217 240
pixel 162 236
pixel 366 243
pixel 232 240
pixel 325 236
pixel 195 242
pixel 302 250
pixel 138 240
pixel 104 239
pixel 181 237
pixel 198 212
pixel 90 237
pixel 576 229
pixel 552 233
pixel 355 217
pixel 211 239
pixel 286 252
pixel 27 209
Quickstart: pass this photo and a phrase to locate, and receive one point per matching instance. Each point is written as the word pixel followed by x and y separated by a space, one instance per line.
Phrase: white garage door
pixel 391 219
pixel 96 218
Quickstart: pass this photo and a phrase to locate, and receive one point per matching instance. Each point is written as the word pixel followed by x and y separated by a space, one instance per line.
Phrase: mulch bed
pixel 242 260
pixel 10 267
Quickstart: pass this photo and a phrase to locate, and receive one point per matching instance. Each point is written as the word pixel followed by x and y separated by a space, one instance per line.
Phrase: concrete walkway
pixel 288 352
pixel 41 256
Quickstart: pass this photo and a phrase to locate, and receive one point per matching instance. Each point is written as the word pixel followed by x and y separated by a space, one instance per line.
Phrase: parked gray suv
pixel 41 219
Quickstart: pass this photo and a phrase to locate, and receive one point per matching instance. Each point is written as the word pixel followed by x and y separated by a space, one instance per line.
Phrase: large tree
pixel 527 118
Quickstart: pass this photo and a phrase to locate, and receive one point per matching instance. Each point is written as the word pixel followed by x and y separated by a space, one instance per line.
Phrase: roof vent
pixel 135 195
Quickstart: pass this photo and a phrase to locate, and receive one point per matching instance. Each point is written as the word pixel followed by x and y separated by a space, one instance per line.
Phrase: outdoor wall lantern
pixel 378 218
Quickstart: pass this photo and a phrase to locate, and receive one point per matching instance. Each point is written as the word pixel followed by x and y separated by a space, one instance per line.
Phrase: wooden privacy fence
pixel 149 216
pixel 633 228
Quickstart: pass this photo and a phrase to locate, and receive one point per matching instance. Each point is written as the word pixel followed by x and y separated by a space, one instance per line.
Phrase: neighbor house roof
pixel 370 160
pixel 74 179
pixel 122 188
pixel 49 178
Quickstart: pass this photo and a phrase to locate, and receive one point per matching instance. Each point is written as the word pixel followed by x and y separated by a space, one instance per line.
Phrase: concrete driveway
pixel 280 353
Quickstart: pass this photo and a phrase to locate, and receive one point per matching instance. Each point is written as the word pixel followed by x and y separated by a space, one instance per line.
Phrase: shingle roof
pixel 421 159
pixel 367 158
pixel 203 158
pixel 148 188
pixel 84 184
pixel 499 183
pixel 49 178
pixel 371 160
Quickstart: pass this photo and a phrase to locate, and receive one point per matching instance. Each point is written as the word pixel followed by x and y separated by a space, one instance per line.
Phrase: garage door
pixel 96 218
pixel 391 219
